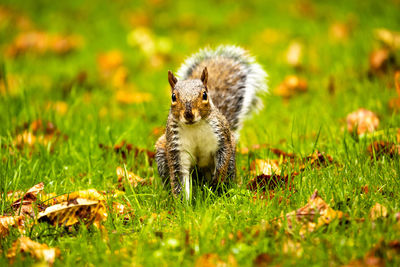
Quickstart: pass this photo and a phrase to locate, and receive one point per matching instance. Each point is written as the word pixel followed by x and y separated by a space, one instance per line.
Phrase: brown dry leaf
pixel 380 60
pixel 24 205
pixel 378 211
pixel 262 260
pixel 382 148
pixel 390 38
pixel 294 54
pixel 313 215
pixel 395 102
pixel 290 86
pixel 125 96
pixel 282 154
pixel 40 42
pixel 362 121
pixel 10 221
pixel 318 159
pixel 36 250
pixel 131 178
pixel 74 211
pixel 38 132
pixel 125 148
pixel 213 260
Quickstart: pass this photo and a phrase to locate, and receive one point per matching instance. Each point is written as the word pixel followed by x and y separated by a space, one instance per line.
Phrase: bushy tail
pixel 234 80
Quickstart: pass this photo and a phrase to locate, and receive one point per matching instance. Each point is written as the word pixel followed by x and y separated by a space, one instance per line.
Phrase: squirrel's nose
pixel 188 115
pixel 188 112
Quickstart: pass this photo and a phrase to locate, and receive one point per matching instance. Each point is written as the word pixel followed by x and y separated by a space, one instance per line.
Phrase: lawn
pixel 84 90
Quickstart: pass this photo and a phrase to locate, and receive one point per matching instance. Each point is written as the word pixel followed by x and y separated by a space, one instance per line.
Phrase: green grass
pixel 313 120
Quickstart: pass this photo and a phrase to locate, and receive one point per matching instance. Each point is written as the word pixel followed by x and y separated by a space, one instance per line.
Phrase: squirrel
pixel 217 89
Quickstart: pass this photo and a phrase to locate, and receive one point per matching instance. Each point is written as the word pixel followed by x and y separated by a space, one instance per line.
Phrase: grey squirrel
pixel 217 89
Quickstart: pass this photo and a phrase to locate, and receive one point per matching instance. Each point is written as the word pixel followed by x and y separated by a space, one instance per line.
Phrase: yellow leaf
pixel 378 211
pixel 389 38
pixel 267 167
pixel 126 96
pixel 39 251
pixel 75 211
pixel 10 221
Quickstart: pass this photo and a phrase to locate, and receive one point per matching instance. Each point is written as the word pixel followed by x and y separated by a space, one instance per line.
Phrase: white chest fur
pixel 198 144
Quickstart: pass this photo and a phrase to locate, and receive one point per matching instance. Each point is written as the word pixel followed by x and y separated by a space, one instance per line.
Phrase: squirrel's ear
pixel 172 79
pixel 204 77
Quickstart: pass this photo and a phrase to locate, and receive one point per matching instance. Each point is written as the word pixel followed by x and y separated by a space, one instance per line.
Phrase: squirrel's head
pixel 189 98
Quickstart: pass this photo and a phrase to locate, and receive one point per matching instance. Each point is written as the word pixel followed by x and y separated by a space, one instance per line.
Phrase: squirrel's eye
pixel 173 97
pixel 204 96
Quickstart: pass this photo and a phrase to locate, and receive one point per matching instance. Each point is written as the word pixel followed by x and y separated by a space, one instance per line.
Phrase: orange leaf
pixel 291 86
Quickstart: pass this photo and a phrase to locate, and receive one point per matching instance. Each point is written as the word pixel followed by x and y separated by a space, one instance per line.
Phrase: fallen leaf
pixel 143 38
pixel 213 260
pixel 109 62
pixel 318 159
pixel 381 148
pixel 315 214
pixel 262 260
pixel 39 251
pixel 378 211
pixel 252 148
pixel 380 60
pixel 60 107
pixel 24 205
pixel 125 96
pixel 389 38
pixel 362 121
pixel 10 221
pixel 89 194
pixel 294 54
pixel 130 178
pixel 38 42
pixel 267 167
pixel 339 31
pixel 291 86
pixel 280 153
pixel 38 132
pixel 395 102
pixel 123 148
pixel 75 211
